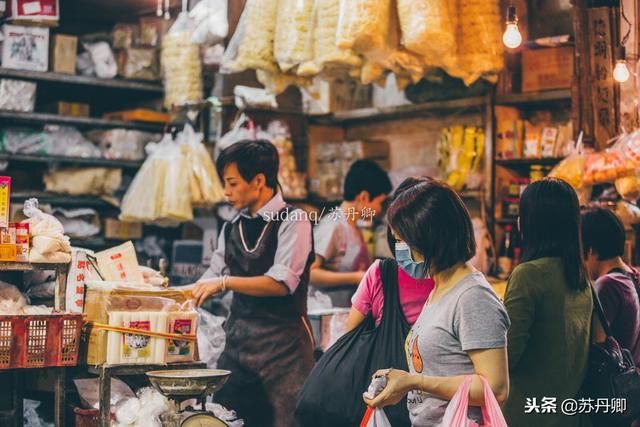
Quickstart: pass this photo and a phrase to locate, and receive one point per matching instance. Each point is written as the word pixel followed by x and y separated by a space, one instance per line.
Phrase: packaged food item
pixel 8 252
pixel 183 323
pixel 25 48
pixel 605 166
pixel 363 25
pixel 5 200
pixel 120 264
pixel 251 46
pixel 151 31
pixel 22 242
pixel 536 173
pixel 428 28
pixel 204 183
pixel 181 67
pixel 138 63
pixel 64 50
pixel 8 234
pixel 132 348
pixel 628 187
pixel 532 149
pixel 548 141
pixel 124 36
pixel 293 29
pixel 45 12
pixel 328 57
pixel 17 95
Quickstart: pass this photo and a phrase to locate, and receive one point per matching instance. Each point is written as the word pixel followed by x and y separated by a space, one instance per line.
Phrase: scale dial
pixel 203 420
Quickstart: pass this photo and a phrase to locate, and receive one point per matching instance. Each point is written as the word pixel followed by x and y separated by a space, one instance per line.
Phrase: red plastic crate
pixel 39 341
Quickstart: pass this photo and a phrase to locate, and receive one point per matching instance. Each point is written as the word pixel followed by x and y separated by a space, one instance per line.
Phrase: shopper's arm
pixel 323 278
pixel 520 302
pixel 354 320
pixel 490 363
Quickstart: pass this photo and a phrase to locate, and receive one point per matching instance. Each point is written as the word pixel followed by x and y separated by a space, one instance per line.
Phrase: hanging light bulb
pixel 620 71
pixel 512 37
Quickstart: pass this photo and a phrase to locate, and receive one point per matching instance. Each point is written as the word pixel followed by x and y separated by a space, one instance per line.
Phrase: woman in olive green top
pixel 548 300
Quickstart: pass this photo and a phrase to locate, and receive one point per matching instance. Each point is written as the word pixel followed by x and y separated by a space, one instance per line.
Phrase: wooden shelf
pixel 26 266
pixel 400 112
pixel 63 200
pixel 13 117
pixel 27 158
pixel 37 76
pixel 506 221
pixel 548 97
pixel 95 243
pixel 519 163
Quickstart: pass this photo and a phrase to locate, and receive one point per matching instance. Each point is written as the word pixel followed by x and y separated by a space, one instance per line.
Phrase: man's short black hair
pixel 431 218
pixel 252 158
pixel 602 232
pixel 366 175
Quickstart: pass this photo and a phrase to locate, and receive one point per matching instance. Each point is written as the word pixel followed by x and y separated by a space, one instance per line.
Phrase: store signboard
pixel 603 96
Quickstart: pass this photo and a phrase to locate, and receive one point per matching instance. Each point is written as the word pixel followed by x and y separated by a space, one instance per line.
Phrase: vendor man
pixel 342 256
pixel 264 256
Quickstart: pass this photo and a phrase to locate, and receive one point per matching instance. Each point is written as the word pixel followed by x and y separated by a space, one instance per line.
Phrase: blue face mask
pixel 406 262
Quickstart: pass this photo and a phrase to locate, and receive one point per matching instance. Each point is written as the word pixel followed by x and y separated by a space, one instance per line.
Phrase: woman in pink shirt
pixel 413 292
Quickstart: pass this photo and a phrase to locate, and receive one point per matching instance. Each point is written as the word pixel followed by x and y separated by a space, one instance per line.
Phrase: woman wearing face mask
pixel 462 329
pixel 413 287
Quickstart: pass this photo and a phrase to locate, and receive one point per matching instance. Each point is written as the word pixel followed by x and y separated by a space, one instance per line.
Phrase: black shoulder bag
pixel 612 374
pixel 332 394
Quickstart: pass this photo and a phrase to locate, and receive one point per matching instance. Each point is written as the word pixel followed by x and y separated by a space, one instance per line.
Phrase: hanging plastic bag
pixel 210 22
pixel 429 28
pixel 48 242
pixel 456 413
pixel 204 183
pixel 251 46
pixel 181 67
pixel 211 337
pixel 293 27
pixel 363 25
pixel 239 132
pixel 176 198
pixel 142 201
pixel 375 418
pixel 328 57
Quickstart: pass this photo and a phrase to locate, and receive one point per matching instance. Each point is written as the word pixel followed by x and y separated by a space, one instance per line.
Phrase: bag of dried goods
pixel 203 180
pixel 480 47
pixel 181 67
pixel 628 187
pixel 327 55
pixel 142 201
pixel 429 28
pixel 363 25
pixel 251 46
pixel 276 83
pixel 293 29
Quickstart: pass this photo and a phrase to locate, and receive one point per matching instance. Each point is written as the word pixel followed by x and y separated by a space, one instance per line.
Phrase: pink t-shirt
pixel 369 298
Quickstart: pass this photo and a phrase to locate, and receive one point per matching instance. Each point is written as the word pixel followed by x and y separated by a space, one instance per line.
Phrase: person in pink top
pixel 413 292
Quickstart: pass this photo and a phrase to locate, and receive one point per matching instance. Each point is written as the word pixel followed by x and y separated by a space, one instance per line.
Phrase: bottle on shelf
pixel 506 255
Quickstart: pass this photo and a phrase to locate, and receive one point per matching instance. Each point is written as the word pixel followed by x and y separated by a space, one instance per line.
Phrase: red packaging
pixel 43 11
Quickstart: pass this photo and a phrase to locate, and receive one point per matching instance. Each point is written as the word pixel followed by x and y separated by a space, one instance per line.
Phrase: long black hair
pixel 550 227
pixel 432 219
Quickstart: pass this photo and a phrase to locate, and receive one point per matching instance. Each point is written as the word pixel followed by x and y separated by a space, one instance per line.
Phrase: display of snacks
pixel 606 166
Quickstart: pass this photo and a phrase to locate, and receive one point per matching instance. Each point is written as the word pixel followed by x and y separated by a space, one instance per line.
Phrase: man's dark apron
pixel 269 347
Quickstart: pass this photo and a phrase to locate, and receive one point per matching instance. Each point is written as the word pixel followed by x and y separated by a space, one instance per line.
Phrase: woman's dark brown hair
pixel 432 219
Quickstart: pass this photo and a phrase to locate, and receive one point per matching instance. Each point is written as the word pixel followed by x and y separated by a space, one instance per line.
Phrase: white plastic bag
pixel 210 19
pixel 104 62
pixel 237 133
pixel 375 418
pixel 211 337
pixel 48 242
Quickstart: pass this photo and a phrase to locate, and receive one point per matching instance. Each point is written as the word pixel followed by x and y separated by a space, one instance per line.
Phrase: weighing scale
pixel 186 384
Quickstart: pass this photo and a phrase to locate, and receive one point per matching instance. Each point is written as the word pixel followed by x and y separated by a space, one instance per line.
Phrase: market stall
pixel 112 115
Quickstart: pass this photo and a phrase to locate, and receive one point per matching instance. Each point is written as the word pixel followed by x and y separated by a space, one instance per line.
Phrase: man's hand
pixel 206 288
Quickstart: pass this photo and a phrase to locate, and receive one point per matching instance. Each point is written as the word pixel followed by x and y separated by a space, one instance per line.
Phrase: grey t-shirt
pixel 467 317
pixel 343 249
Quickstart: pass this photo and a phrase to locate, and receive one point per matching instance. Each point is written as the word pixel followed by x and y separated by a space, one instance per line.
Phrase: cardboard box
pixel 29 11
pixel 96 308
pixel 546 69
pixel 73 109
pixel 25 48
pixel 120 230
pixel 64 52
pixel 371 149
